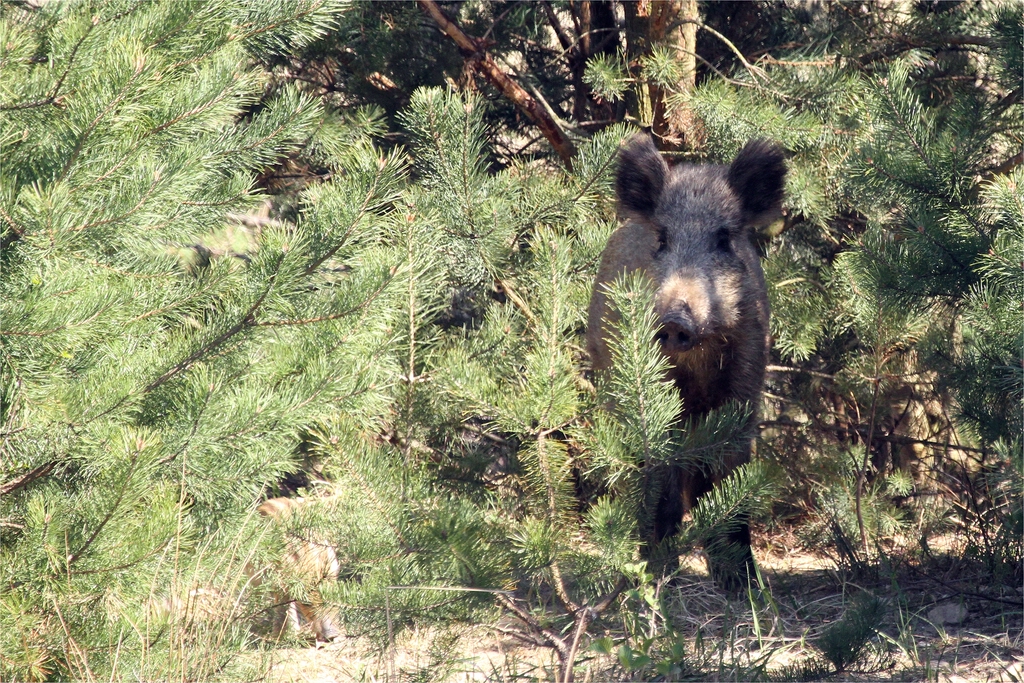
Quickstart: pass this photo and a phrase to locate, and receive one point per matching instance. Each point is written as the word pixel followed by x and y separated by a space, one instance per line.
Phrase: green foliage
pixel 745 493
pixel 645 405
pixel 607 76
pixel 838 519
pixel 660 68
pixel 994 521
pixel 223 278
pixel 843 643
pixel 652 647
pixel 985 372
pixel 155 381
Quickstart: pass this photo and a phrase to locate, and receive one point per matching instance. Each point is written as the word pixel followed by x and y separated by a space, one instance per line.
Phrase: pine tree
pixel 160 361
pixel 165 367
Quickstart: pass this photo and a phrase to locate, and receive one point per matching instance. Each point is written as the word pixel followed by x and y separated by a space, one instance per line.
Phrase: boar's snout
pixel 679 332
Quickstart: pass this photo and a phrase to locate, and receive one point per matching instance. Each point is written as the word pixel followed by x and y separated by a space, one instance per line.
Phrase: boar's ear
pixel 757 176
pixel 641 176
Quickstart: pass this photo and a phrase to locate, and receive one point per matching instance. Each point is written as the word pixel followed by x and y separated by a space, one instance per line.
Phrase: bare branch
pixel 1004 167
pixel 563 38
pixel 27 478
pixel 898 44
pixel 553 638
pixel 755 71
pixel 481 61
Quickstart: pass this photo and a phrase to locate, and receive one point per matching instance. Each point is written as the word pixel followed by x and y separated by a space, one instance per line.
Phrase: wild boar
pixel 691 230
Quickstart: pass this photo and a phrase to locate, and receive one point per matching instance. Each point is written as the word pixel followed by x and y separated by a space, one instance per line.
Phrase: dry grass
pixel 941 626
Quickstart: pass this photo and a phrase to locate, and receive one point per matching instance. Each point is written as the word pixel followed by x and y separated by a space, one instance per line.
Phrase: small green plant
pixel 652 646
pixel 844 642
pixel 443 660
pixel 663 656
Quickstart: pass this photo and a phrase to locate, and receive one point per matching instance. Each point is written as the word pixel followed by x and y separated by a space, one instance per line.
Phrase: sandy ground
pixel 940 627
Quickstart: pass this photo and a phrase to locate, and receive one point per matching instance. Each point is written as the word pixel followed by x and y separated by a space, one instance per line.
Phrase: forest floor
pixel 942 624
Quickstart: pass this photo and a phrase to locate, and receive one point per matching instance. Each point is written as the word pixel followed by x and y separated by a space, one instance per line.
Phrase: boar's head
pixel 698 227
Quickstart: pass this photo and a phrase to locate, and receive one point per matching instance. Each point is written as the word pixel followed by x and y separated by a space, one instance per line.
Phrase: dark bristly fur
pixel 641 176
pixel 691 230
pixel 756 176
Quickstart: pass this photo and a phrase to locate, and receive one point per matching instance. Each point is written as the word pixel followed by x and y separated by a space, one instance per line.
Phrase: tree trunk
pixel 674 24
pixel 682 122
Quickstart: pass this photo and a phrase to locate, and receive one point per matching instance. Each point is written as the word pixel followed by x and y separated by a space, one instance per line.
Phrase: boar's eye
pixel 662 240
pixel 722 241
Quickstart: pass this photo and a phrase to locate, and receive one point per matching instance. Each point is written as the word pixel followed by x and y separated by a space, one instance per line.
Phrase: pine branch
pixel 898 44
pixel 364 207
pixel 59 328
pixel 313 7
pixel 812 373
pixel 583 620
pixel 126 214
pixel 862 470
pixel 129 155
pixel 382 510
pixel 75 556
pixel 582 616
pixel 332 316
pixel 247 321
pixel 909 130
pixel 551 636
pixel 862 431
pixel 754 71
pixel 80 143
pixel 53 96
pixel 561 591
pixel 526 638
